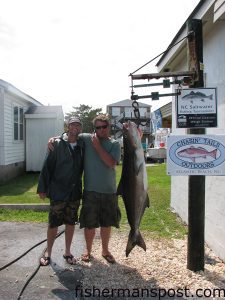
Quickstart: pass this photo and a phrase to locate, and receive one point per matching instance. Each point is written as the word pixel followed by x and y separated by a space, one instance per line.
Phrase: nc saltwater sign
pixel 196 155
pixel 197 108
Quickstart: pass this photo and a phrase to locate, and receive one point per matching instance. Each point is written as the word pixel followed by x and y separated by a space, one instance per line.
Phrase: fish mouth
pixel 128 125
pixel 125 126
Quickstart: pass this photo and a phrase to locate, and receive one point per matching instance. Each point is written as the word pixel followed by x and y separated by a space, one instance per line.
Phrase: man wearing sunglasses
pixel 100 202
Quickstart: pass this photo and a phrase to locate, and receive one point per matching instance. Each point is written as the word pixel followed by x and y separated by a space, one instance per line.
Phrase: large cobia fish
pixel 133 184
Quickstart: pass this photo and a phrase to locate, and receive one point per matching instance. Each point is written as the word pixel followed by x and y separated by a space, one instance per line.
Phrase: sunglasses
pixel 101 127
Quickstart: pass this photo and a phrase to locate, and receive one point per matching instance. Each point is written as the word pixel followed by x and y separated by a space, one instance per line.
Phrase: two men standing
pixel 100 203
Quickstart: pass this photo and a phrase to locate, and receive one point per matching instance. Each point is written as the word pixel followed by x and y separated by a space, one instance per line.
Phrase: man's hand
pixel 42 195
pixel 103 154
pixel 95 141
pixel 50 144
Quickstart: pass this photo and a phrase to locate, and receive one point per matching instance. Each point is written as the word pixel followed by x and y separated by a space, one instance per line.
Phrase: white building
pixel 42 122
pixel 212 14
pixel 13 131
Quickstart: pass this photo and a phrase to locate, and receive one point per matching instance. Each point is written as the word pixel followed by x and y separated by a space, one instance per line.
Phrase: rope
pixel 191 32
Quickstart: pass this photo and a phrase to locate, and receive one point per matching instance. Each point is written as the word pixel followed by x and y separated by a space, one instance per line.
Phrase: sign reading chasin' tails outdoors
pixel 197 108
pixel 196 155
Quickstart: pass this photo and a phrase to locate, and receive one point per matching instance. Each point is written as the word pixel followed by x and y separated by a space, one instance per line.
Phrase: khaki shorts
pixel 99 210
pixel 63 212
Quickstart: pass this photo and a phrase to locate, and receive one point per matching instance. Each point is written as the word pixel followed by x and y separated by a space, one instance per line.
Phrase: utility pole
pixel 196 184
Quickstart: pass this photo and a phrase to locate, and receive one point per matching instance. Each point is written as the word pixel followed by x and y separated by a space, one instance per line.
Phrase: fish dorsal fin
pixel 147 201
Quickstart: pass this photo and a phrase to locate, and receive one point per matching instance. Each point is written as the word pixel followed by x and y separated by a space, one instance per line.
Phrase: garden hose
pixel 37 268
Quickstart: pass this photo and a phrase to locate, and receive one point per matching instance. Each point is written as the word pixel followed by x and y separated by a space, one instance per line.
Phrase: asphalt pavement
pixel 56 281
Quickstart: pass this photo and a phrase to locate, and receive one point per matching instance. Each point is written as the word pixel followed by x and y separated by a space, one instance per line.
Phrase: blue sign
pixel 196 155
pixel 156 119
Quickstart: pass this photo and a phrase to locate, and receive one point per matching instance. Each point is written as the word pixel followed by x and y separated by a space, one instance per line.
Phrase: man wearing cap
pixel 61 181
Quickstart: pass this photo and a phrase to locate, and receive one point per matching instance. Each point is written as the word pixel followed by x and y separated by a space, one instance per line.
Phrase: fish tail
pixel 135 239
pixel 213 153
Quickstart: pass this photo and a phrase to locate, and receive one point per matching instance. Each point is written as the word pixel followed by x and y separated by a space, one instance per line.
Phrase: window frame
pixel 18 124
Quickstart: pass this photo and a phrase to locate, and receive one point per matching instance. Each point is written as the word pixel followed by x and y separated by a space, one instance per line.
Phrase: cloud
pixel 7 36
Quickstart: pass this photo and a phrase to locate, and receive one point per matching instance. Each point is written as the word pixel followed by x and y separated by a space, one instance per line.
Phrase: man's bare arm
pixel 104 155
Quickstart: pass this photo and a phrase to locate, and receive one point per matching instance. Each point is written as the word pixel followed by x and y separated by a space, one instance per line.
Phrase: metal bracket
pixel 154 96
pixel 163 75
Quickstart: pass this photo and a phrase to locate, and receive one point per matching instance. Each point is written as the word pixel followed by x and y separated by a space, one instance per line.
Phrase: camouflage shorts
pixel 99 210
pixel 63 212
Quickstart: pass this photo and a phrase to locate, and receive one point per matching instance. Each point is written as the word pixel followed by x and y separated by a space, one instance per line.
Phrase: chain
pixel 137 114
pixel 135 106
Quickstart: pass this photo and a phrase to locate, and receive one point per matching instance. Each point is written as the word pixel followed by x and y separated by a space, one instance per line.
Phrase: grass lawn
pixel 158 220
pixel 20 190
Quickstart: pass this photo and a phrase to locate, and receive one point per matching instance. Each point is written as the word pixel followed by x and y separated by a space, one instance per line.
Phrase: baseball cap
pixel 74 120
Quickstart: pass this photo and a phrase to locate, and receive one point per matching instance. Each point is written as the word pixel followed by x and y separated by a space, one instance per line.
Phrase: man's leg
pixel 89 235
pixel 105 236
pixel 69 231
pixel 51 234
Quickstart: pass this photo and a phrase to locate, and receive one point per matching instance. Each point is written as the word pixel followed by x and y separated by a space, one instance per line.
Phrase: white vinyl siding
pixel 2 126
pixel 14 150
pixel 38 130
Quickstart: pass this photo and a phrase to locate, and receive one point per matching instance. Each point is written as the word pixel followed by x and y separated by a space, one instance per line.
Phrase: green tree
pixel 86 115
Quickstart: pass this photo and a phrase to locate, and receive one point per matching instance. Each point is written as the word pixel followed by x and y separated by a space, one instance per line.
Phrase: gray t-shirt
pixel 98 177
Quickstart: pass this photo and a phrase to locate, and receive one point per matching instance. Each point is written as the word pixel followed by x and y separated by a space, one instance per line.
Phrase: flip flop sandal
pixel 86 257
pixel 109 258
pixel 46 259
pixel 69 259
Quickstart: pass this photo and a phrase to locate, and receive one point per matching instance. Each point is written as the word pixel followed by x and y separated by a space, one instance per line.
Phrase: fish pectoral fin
pixel 135 239
pixel 147 201
pixel 119 188
pixel 137 167
pixel 138 164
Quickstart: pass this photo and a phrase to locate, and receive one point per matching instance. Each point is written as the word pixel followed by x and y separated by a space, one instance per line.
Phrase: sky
pixel 72 52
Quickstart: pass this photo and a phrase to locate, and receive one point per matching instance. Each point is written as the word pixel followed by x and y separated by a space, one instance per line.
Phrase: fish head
pixel 131 134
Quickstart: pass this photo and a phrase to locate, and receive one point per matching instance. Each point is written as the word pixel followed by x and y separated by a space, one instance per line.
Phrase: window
pixel 18 123
pixel 129 112
pixel 143 111
pixel 115 111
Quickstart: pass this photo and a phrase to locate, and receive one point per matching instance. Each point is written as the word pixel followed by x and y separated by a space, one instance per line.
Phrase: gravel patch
pixel 160 270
